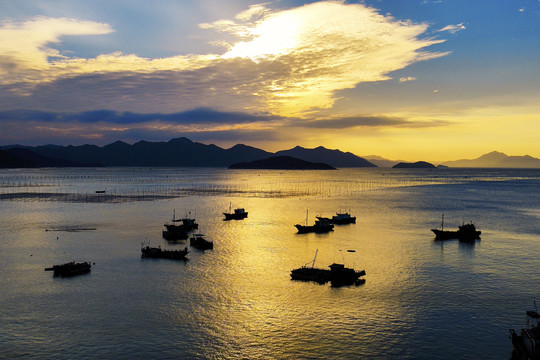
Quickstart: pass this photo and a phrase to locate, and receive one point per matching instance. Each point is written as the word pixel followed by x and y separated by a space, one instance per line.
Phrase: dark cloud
pixel 366 121
pixel 195 116
pixel 225 84
pixel 236 136
pixel 353 121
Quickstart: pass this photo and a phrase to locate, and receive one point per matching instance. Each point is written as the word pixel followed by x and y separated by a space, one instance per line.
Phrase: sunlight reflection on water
pixel 237 301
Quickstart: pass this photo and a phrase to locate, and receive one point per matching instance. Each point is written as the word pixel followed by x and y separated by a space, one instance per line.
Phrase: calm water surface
pixel 422 299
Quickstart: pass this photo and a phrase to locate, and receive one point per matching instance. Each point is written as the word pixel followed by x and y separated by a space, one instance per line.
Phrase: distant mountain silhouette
pixel 497 159
pixel 180 152
pixel 176 152
pixel 282 163
pixel 381 162
pixel 8 160
pixel 336 158
pixel 415 165
pixel 27 158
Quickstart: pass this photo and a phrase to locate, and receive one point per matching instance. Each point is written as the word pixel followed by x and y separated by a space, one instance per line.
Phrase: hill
pixel 282 163
pixel 415 165
pixel 179 152
pixel 33 159
pixel 381 162
pixel 496 159
pixel 336 158
pixel 182 152
pixel 9 160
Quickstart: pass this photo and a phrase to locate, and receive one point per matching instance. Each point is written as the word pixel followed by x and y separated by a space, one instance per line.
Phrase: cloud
pixel 353 121
pixel 196 116
pixel 367 121
pixel 286 62
pixel 103 125
pixel 408 78
pixel 106 126
pixel 453 28
pixel 24 47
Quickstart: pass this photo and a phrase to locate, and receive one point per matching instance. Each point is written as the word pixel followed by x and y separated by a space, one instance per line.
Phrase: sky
pixel 431 80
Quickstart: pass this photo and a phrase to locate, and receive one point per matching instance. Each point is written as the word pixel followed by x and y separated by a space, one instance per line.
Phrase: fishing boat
pixel 311 273
pixel 177 229
pixel 342 218
pixel 342 276
pixel 158 253
pixel 198 241
pixel 337 274
pixel 526 345
pixel 322 225
pixel 465 232
pixel 70 269
pixel 237 214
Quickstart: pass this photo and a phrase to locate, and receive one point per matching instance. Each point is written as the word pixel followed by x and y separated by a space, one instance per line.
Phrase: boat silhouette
pixel 526 344
pixel 158 253
pixel 465 232
pixel 238 214
pixel 70 269
pixel 177 229
pixel 340 219
pixel 322 225
pixel 337 274
pixel 198 241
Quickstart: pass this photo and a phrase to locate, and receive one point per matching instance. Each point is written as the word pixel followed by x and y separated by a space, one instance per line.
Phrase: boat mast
pixel 442 222
pixel 314 258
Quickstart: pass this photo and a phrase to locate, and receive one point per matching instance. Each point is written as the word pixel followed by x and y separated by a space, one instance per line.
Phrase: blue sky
pixel 415 80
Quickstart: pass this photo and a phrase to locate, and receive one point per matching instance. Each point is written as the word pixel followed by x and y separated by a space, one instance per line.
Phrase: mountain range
pixel 179 152
pixel 182 152
pixel 497 159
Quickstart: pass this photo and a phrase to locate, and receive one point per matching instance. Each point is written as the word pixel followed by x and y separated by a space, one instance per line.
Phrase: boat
pixel 465 232
pixel 526 345
pixel 70 269
pixel 198 241
pixel 341 275
pixel 311 273
pixel 342 218
pixel 322 225
pixel 177 229
pixel 533 313
pixel 468 232
pixel 238 214
pixel 337 274
pixel 158 253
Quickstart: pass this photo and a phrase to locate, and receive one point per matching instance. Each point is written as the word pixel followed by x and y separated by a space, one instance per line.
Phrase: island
pixel 281 163
pixel 415 165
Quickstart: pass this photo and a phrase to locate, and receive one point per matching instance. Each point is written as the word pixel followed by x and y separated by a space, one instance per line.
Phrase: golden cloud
pixel 290 62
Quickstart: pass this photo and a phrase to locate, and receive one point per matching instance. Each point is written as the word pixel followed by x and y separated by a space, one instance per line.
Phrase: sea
pixel 422 298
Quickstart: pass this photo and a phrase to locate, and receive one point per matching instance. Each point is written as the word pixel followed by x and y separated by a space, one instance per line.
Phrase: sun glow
pixel 318 49
pixel 288 62
pixel 277 35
